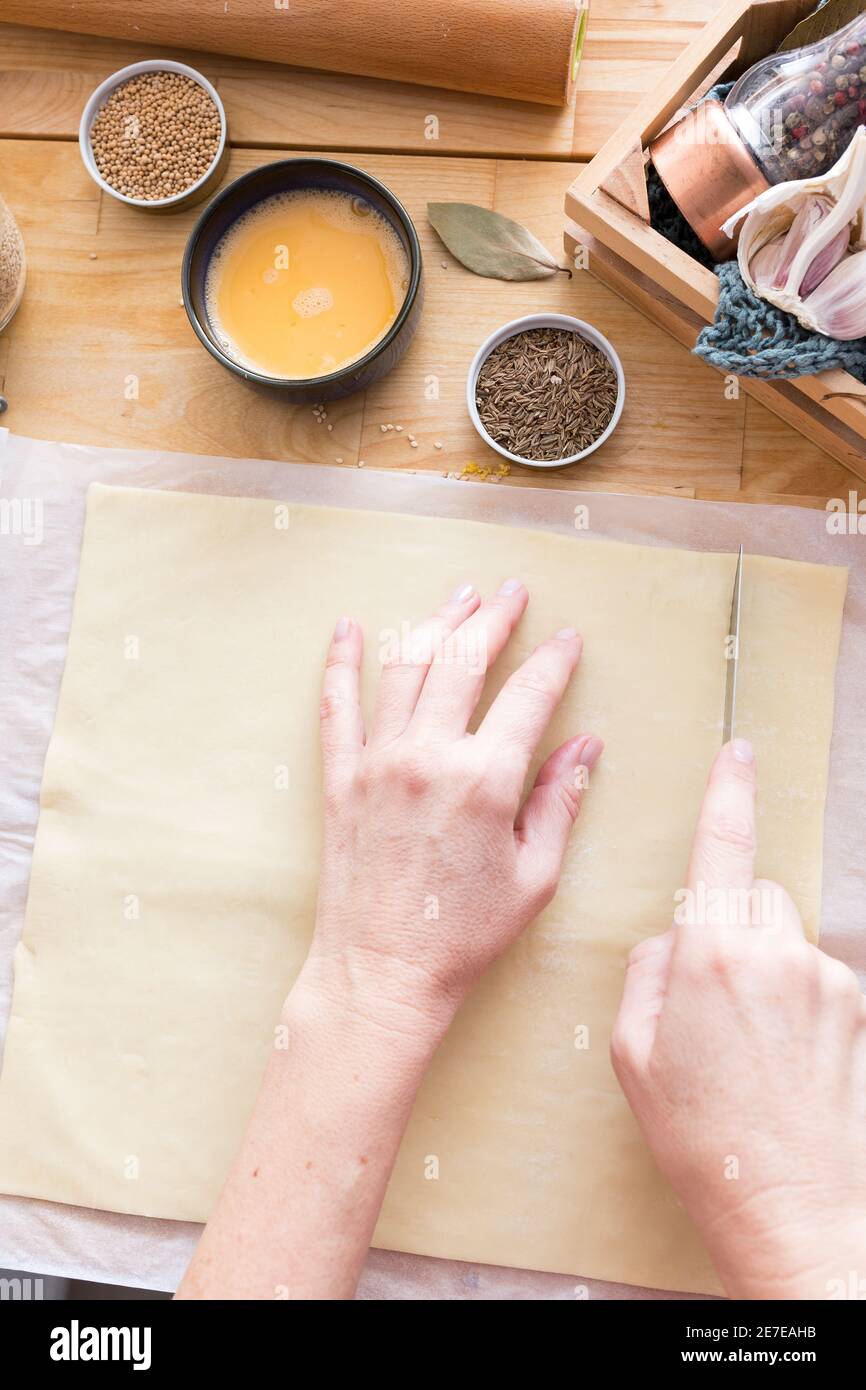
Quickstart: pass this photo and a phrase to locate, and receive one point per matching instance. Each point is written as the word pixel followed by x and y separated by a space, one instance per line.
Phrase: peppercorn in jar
pixel 798 111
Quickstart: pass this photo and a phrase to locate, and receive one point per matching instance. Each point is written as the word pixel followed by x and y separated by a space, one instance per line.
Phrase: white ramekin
pixel 509 330
pixel 98 98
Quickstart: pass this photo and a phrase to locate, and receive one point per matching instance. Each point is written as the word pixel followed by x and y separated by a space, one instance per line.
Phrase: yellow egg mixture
pixel 305 282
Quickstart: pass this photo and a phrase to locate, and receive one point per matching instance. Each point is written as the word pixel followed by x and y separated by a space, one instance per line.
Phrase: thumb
pixel 643 995
pixel 546 819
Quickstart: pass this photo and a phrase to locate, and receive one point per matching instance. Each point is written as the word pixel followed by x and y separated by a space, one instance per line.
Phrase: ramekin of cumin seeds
pixel 546 390
pixel 154 135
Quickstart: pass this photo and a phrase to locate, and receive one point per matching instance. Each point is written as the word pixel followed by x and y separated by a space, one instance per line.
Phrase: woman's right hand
pixel 741 1049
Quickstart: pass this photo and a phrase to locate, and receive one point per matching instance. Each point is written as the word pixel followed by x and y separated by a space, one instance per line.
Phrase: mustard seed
pixel 156 135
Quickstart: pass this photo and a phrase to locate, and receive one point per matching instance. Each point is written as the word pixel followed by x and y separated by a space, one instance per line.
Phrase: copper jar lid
pixel 708 172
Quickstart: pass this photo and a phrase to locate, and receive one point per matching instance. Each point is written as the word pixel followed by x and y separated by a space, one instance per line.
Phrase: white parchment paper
pixel 42 496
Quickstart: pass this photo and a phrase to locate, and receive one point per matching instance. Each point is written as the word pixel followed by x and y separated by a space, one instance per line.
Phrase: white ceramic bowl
pixel 509 330
pixel 98 99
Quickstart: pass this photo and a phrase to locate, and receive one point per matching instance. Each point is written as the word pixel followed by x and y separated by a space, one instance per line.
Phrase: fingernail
pixel 743 750
pixel 342 629
pixel 463 594
pixel 567 634
pixel 592 751
pixel 511 586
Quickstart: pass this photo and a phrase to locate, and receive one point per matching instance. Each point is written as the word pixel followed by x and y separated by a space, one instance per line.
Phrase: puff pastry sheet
pixel 174 874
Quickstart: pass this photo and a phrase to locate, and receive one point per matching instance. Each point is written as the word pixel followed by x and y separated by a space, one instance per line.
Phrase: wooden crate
pixel 608 213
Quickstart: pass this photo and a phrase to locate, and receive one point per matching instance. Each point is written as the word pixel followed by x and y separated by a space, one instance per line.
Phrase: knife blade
pixel 733 654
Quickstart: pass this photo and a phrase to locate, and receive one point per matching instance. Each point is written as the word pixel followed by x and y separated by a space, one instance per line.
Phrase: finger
pixel 546 818
pixel 774 910
pixel 342 724
pixel 456 679
pixel 723 854
pixel 525 705
pixel 643 996
pixel 403 676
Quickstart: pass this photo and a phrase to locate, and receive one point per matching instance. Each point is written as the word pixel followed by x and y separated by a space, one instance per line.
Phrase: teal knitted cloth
pixel 750 337
pixel 753 338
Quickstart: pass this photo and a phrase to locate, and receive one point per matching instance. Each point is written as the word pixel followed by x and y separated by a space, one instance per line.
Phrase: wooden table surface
pixel 101 350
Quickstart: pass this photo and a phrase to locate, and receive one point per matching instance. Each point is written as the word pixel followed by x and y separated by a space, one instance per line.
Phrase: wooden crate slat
pixel 666 283
pixel 780 397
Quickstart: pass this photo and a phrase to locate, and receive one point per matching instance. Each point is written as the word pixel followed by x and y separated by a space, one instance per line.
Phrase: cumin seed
pixel 546 394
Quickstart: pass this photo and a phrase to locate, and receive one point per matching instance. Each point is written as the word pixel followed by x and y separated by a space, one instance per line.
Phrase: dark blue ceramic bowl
pixel 281 177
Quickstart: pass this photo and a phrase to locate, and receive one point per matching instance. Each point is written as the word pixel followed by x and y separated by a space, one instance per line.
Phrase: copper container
pixel 708 172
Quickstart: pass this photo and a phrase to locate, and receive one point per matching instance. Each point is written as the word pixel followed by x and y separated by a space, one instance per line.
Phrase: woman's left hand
pixel 431 865
pixel 431 868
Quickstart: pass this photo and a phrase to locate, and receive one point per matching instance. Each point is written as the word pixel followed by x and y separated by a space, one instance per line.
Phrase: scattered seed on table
pixel 437 445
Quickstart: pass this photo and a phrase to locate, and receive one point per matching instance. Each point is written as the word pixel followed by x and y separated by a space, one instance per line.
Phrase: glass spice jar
pixel 13 266
pixel 797 112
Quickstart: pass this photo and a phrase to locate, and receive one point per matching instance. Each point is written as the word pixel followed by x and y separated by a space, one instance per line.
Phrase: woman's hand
pixel 742 1050
pixel 431 866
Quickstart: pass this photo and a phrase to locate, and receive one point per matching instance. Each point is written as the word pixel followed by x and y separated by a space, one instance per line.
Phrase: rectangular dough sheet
pixel 174 875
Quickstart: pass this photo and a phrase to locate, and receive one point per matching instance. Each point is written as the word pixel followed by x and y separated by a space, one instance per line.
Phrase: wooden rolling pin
pixel 524 49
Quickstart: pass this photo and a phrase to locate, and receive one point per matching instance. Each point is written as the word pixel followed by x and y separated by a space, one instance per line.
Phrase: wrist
pixel 377 1011
pixel 791 1259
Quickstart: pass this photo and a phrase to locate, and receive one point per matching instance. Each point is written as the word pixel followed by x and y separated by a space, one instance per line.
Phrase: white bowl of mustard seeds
pixel 153 135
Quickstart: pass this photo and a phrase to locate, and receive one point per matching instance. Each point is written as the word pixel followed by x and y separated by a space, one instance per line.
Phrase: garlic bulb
pixel 838 305
pixel 801 244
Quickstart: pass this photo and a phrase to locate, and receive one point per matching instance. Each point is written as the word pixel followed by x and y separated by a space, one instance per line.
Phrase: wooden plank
pixel 784 398
pixel 662 307
pixel 654 445
pixel 676 85
pixel 630 45
pixel 767 24
pixel 46 76
pixel 771 464
pixel 102 352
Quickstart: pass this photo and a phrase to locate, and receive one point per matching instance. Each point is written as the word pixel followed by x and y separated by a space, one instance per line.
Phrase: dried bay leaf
pixel 827 20
pixel 491 245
